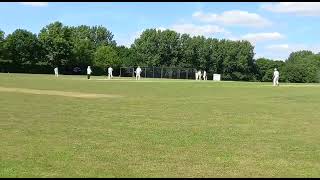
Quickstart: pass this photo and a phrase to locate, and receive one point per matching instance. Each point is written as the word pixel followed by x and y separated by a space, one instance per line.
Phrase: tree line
pixel 301 67
pixel 79 46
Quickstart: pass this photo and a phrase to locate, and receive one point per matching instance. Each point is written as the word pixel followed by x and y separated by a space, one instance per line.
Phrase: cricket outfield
pixel 73 127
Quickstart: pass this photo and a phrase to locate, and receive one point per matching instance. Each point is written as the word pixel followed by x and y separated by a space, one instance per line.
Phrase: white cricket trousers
pixel 110 76
pixel 276 81
pixel 138 76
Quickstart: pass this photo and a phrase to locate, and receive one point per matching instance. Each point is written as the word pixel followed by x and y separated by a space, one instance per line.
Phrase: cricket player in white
pixel 196 74
pixel 56 73
pixel 199 75
pixel 204 75
pixel 89 71
pixel 275 77
pixel 110 73
pixel 138 72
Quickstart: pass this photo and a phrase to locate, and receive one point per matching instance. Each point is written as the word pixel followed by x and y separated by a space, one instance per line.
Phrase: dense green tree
pixel 127 56
pixel 213 62
pixel 56 39
pixel 303 69
pixel 186 51
pixel 299 73
pixel 106 56
pixel 200 52
pixel 1 36
pixel 298 55
pixel 83 47
pixel 237 60
pixel 22 46
pixel 101 36
pixel 1 43
pixel 84 42
pixel 234 59
pixel 265 68
pixel 82 52
pixel 146 48
pixel 168 48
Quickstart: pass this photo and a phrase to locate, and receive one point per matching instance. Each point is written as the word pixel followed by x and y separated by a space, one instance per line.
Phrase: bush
pixel 8 66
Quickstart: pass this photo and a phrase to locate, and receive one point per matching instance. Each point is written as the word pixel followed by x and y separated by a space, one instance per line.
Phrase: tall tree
pixel 1 43
pixel 1 35
pixel 82 52
pixel 298 55
pixel 237 60
pixel 303 69
pixel 83 47
pixel 22 46
pixel 202 52
pixel 127 56
pixel 186 51
pixel 245 61
pixel 102 36
pixel 168 47
pixel 56 39
pixel 106 56
pixel 213 63
pixel 265 68
pixel 146 48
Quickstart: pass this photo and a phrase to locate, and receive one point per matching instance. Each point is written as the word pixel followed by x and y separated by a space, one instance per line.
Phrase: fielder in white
pixel 56 72
pixel 196 75
pixel 89 71
pixel 110 73
pixel 276 77
pixel 204 75
pixel 199 75
pixel 138 72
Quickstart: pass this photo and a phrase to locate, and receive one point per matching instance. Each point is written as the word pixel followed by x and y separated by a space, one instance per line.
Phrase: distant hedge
pixel 8 66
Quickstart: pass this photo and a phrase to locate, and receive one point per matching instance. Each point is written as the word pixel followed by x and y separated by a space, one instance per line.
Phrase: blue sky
pixel 275 29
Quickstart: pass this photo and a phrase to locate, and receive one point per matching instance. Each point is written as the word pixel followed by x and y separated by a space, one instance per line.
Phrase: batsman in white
pixel 89 71
pixel 138 72
pixel 110 73
pixel 56 73
pixel 275 77
pixel 204 75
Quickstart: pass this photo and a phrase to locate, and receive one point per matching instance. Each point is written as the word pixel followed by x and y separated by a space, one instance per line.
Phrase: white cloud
pixel 133 37
pixel 161 28
pixel 256 37
pixel 298 8
pixel 282 51
pixel 233 17
pixel 270 56
pixel 293 47
pixel 278 47
pixel 195 30
pixel 127 39
pixel 35 3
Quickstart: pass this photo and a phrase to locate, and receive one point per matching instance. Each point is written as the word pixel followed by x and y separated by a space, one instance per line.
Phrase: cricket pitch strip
pixel 57 93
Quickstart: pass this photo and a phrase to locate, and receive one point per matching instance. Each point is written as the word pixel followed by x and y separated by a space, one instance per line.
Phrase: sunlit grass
pixel 176 128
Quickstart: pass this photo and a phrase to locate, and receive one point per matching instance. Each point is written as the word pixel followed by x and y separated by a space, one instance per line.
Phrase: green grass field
pixel 157 128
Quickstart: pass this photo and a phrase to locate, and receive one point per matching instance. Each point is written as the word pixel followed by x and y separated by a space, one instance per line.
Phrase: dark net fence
pixel 162 72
